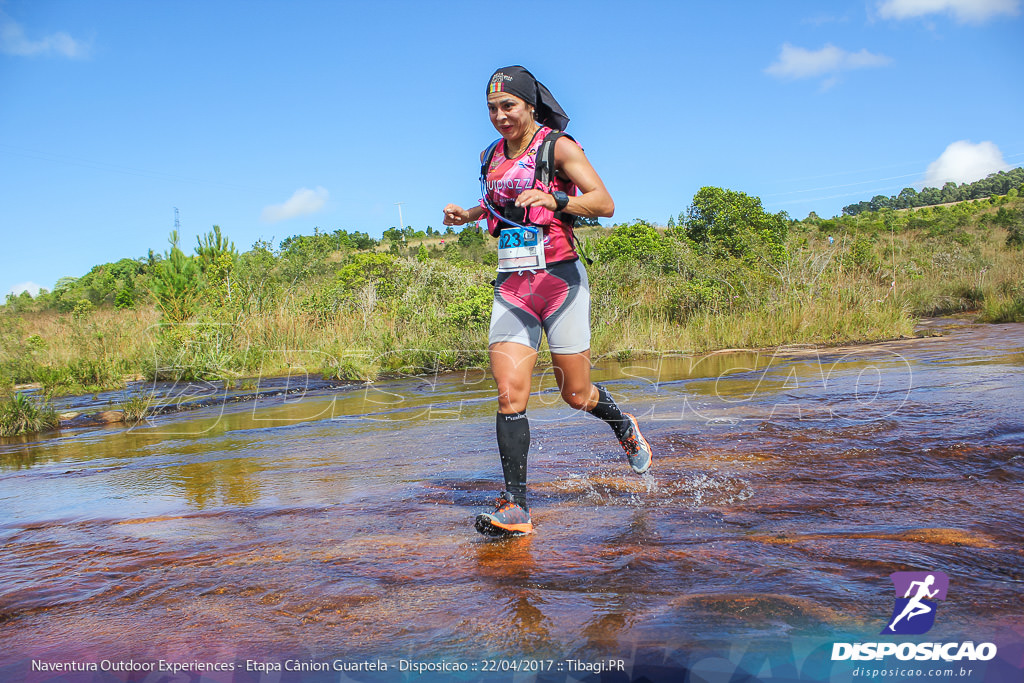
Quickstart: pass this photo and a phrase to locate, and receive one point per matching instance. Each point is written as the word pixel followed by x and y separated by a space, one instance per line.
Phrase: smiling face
pixel 511 116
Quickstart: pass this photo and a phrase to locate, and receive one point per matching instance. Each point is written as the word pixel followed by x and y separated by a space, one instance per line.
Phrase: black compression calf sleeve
pixel 513 447
pixel 610 413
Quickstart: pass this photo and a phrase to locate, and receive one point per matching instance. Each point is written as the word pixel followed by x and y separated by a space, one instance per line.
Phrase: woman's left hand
pixel 528 198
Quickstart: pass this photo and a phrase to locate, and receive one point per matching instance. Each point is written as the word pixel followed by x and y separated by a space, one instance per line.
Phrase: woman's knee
pixel 513 394
pixel 512 369
pixel 578 398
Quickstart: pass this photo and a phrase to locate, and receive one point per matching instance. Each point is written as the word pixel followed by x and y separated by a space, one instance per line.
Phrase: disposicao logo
pixel 916 596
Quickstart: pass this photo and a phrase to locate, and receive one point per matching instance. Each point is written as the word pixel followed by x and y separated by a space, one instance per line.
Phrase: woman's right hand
pixel 455 215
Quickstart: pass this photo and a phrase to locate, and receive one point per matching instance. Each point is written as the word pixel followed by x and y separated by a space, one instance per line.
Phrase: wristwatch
pixel 561 199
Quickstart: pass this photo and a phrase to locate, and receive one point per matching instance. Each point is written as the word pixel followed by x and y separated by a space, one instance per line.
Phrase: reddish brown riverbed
pixel 337 525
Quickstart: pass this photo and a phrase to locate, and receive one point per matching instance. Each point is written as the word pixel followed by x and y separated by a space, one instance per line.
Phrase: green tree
pixel 393 235
pixel 175 284
pixel 471 235
pixel 362 241
pixel 304 256
pixel 994 184
pixel 19 303
pixel 879 201
pixel 950 192
pixel 101 285
pixel 255 282
pixel 217 258
pixel 726 222
pixel 211 245
pixel 907 198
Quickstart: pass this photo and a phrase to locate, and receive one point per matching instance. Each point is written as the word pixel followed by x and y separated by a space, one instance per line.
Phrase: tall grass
pixel 136 408
pixel 74 353
pixel 20 415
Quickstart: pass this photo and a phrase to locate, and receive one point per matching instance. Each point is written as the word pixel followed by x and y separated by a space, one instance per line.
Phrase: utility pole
pixel 177 223
pixel 401 224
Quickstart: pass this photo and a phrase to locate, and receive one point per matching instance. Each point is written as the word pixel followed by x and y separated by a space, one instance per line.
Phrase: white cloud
pixel 13 41
pixel 965 162
pixel 30 287
pixel 797 62
pixel 303 202
pixel 965 11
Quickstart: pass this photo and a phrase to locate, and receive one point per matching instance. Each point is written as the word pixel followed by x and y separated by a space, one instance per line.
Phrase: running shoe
pixel 508 519
pixel 637 449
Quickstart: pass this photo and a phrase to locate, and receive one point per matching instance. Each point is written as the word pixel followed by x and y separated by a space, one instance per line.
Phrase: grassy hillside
pixel 729 276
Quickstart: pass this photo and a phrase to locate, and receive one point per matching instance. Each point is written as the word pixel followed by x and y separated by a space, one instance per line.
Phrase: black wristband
pixel 561 200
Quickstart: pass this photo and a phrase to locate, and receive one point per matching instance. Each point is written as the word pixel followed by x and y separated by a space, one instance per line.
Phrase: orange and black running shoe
pixel 508 519
pixel 637 449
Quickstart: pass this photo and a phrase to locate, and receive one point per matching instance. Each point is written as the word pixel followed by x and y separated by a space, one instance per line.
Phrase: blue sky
pixel 272 118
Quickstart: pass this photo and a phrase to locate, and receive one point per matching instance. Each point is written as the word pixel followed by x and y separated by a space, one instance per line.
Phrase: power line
pixel 835 187
pixel 873 191
pixel 125 170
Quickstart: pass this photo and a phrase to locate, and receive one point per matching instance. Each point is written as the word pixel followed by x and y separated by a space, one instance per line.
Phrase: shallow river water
pixel 333 527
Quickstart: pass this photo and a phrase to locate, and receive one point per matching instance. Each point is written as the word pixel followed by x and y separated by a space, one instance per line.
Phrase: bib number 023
pixel 520 249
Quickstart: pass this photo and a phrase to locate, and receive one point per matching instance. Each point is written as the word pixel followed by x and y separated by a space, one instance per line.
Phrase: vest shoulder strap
pixel 488 155
pixel 545 172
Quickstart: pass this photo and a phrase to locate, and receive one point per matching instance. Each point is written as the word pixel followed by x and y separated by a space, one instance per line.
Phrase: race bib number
pixel 520 249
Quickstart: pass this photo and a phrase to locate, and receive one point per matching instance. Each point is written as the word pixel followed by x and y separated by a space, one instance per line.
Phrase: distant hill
pixel 994 184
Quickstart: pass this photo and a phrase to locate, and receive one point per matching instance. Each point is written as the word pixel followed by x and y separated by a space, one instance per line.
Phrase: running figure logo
pixel 916 596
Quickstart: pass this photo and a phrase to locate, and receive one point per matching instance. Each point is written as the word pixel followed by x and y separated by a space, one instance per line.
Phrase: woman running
pixel 541 284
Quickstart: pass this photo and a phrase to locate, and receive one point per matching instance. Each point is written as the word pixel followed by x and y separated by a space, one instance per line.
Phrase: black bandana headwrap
pixel 517 81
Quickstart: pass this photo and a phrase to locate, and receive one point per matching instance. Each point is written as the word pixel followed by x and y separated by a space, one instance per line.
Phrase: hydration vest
pixel 543 179
pixel 544 174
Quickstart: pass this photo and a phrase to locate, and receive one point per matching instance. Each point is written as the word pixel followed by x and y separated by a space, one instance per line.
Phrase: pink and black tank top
pixel 506 178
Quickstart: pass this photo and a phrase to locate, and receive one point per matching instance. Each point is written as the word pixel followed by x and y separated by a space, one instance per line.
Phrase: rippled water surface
pixel 786 487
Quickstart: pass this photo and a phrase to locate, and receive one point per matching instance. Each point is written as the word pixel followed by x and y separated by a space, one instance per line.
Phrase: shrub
pixel 472 309
pixel 692 296
pixel 862 253
pixel 82 307
pixel 1012 221
pixel 124 299
pixel 19 415
pixel 367 278
pixel 636 241
pixel 136 408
